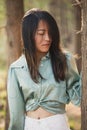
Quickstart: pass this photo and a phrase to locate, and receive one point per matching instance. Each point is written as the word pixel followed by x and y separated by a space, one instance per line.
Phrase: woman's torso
pixel 48 95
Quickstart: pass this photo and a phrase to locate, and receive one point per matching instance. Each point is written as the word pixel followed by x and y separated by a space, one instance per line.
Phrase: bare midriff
pixel 39 113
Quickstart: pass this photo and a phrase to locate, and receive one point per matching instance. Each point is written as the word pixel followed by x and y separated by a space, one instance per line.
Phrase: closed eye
pixel 40 32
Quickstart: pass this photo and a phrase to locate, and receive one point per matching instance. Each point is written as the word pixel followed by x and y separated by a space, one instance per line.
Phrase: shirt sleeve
pixel 73 82
pixel 15 102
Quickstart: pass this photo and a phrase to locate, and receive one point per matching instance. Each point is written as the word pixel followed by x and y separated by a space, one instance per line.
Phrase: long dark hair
pixel 58 59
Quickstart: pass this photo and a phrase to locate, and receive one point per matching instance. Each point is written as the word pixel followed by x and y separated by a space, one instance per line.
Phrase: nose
pixel 47 37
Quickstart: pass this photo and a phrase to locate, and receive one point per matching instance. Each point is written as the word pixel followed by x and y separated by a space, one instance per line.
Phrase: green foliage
pixel 2 11
pixel 3 54
pixel 43 4
pixel 2 35
pixel 75 122
pixel 2 98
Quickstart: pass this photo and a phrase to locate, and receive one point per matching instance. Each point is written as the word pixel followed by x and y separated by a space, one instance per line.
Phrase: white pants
pixel 55 122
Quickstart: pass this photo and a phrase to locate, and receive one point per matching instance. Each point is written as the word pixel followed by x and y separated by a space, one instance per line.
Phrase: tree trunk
pixel 14 13
pixel 77 14
pixel 84 65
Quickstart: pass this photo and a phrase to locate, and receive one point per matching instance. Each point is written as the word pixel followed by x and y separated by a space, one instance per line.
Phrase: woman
pixel 44 79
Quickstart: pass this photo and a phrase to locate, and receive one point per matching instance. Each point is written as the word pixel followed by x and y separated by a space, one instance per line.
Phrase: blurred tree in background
pixel 14 14
pixel 77 17
pixel 62 11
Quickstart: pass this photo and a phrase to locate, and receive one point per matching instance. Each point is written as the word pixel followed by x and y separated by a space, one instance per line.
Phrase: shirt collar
pixel 47 56
pixel 21 62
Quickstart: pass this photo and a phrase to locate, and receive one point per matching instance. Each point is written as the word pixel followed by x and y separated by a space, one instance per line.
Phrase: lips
pixel 45 44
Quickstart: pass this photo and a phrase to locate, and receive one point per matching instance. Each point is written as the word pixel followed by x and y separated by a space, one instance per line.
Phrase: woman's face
pixel 43 39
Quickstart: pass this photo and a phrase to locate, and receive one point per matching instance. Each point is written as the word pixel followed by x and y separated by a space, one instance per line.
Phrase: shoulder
pixel 68 55
pixel 71 61
pixel 18 66
pixel 19 63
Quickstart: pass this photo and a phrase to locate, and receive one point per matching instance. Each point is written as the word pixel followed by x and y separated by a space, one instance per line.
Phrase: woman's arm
pixel 73 81
pixel 15 101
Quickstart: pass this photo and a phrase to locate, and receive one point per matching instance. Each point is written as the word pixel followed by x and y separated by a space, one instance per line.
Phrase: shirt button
pixel 44 58
pixel 22 67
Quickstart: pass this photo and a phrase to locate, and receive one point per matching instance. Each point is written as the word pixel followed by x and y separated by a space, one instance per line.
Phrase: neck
pixel 39 56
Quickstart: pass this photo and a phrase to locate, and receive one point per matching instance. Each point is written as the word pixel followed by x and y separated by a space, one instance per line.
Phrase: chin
pixel 45 51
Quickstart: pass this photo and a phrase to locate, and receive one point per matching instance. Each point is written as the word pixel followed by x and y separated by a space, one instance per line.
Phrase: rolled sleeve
pixel 73 82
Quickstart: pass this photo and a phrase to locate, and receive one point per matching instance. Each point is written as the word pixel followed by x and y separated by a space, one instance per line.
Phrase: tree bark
pixel 84 66
pixel 14 13
pixel 77 12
